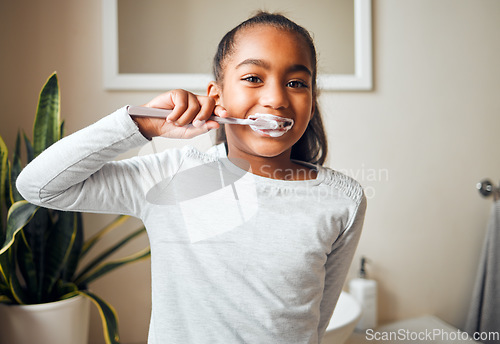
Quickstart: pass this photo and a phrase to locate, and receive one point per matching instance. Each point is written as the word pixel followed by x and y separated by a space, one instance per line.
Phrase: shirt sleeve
pixel 77 172
pixel 338 263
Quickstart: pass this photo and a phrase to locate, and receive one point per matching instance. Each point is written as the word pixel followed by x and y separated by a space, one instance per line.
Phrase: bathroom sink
pixel 344 319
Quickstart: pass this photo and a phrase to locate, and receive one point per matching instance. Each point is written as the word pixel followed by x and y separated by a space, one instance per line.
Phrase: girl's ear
pixel 214 91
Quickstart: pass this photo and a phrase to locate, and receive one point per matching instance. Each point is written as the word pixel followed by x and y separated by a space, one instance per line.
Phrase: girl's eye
pixel 297 84
pixel 252 79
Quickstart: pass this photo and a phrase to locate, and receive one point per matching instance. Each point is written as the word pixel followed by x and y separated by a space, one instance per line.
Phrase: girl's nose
pixel 274 96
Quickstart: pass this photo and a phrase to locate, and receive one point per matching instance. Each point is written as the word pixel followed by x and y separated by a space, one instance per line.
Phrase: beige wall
pixel 419 142
pixel 332 22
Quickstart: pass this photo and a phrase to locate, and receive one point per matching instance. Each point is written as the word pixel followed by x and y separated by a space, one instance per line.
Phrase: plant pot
pixel 60 322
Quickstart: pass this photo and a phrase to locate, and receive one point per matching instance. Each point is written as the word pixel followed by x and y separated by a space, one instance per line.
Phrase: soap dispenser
pixel 364 290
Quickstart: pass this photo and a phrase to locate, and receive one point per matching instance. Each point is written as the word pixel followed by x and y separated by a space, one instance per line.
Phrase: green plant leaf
pixel 30 154
pixel 110 266
pixel 5 294
pixel 108 317
pixel 2 277
pixel 5 299
pixel 59 244
pixel 61 129
pixel 110 250
pixel 20 213
pixel 26 264
pixel 4 177
pixel 37 231
pixel 16 169
pixel 5 264
pixel 16 289
pixel 9 199
pixel 119 220
pixel 46 129
pixel 65 290
pixel 74 257
pixel 17 147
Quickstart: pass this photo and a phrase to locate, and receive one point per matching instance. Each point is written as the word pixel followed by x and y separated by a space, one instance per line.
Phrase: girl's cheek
pixel 234 107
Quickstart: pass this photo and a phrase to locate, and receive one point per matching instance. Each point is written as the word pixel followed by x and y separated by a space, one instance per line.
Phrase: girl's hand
pixel 189 118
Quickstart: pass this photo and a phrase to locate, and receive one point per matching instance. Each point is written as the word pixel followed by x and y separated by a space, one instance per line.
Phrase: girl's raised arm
pixel 78 172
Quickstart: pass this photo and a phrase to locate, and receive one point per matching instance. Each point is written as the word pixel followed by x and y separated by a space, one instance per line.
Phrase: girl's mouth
pixel 278 126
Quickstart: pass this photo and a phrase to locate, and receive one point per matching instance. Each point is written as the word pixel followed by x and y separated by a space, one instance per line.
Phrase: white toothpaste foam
pixel 278 126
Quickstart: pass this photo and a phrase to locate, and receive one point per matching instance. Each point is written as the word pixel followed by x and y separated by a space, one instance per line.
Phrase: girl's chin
pixel 267 149
pixel 262 143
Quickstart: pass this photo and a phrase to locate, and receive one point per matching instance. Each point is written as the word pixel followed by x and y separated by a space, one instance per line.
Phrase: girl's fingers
pixel 162 101
pixel 192 110
pixel 180 100
pixel 186 106
pixel 190 114
pixel 206 110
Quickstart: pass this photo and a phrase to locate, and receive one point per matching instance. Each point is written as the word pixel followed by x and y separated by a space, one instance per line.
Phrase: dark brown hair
pixel 312 146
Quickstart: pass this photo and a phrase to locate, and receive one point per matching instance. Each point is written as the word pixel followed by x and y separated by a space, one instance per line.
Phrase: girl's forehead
pixel 266 34
pixel 268 40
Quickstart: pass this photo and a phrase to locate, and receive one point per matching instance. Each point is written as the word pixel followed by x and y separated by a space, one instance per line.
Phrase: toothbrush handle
pixel 163 113
pixel 148 112
pixel 229 120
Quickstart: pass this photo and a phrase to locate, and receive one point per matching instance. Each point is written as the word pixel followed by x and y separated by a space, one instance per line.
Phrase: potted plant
pixel 41 250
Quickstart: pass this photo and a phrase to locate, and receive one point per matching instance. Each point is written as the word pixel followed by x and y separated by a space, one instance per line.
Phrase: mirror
pixel 341 29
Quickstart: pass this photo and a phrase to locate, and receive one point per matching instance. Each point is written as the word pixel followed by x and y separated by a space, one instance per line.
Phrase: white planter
pixel 60 322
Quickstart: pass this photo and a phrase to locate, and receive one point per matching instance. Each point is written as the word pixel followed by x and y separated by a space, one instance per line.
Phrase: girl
pixel 263 264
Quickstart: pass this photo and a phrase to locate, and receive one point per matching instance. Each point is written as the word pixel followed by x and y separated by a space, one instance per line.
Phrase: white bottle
pixel 364 290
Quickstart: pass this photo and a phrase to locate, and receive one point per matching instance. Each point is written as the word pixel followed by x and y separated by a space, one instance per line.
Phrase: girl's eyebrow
pixel 266 65
pixel 254 62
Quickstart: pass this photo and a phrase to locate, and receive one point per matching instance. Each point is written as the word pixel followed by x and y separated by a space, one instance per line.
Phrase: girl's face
pixel 269 72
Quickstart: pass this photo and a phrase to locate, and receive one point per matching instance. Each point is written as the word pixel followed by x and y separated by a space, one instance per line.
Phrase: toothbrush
pixel 257 121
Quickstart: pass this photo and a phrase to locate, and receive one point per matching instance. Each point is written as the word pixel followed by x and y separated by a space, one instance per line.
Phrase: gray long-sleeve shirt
pixel 236 257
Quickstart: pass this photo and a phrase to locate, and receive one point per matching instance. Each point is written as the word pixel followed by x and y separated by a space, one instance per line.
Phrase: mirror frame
pixel 361 80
